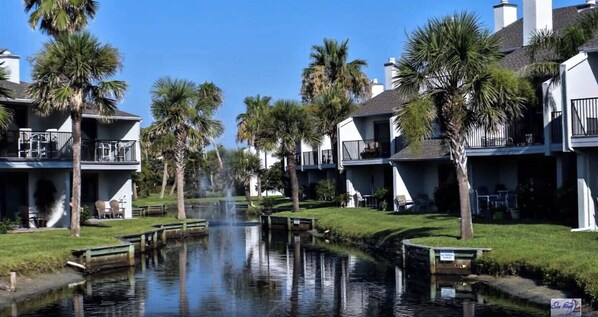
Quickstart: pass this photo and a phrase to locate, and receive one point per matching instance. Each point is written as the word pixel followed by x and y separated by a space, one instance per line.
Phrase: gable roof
pixel 510 38
pixel 430 149
pixel 19 90
pixel 384 103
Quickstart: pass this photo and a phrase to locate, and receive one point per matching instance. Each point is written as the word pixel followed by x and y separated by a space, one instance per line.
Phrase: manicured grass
pixel 549 251
pixel 154 199
pixel 48 251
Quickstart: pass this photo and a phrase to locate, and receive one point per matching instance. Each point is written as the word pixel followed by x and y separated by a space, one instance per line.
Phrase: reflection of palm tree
pixel 183 303
pixel 296 274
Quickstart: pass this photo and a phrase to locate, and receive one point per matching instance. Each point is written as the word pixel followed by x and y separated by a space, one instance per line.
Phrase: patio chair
pixel 359 200
pixel 116 209
pixel 401 201
pixel 421 203
pixel 103 211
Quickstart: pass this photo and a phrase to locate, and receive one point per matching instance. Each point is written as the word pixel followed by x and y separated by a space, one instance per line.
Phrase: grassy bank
pixel 154 199
pixel 549 251
pixel 47 251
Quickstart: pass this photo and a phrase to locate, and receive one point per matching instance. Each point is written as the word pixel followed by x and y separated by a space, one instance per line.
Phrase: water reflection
pixel 240 271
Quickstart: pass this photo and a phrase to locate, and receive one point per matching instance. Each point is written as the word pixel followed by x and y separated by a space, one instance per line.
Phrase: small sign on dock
pixel 447 256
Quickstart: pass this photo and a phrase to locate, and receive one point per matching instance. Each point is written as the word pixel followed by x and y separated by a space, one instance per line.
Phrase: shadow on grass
pixel 95 225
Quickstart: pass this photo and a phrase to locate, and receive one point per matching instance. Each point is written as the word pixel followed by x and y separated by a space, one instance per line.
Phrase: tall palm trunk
pixel 457 148
pixel 248 194
pixel 76 194
pixel 179 164
pixel 291 164
pixel 217 154
pixel 164 179
pixel 183 302
pixel 259 178
pixel 339 186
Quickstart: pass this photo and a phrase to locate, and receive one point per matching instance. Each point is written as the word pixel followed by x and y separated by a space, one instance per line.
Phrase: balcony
pixel 584 119
pixel 310 158
pixel 366 149
pixel 27 144
pixel 511 135
pixel 556 127
pixel 108 151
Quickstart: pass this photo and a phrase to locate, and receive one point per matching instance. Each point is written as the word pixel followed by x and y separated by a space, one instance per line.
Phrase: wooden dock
pixel 439 260
pixel 122 255
pixel 287 223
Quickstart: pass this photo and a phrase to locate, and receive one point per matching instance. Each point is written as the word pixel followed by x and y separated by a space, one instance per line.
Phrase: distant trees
pixel 5 93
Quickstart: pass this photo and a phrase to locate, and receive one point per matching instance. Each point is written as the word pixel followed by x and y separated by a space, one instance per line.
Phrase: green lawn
pixel 549 251
pixel 47 251
pixel 154 199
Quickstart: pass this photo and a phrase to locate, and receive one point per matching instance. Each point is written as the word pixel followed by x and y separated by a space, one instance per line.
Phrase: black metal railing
pixel 506 136
pixel 108 151
pixel 366 149
pixel 327 157
pixel 584 119
pixel 39 145
pixel 310 158
pixel 556 127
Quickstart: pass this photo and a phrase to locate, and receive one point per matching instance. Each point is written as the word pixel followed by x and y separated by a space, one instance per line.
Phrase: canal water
pixel 239 270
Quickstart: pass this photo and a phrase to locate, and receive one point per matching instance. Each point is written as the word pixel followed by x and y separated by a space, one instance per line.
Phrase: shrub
pixel 342 199
pixel 7 225
pixel 381 193
pixel 325 190
pixel 85 215
pixel 268 202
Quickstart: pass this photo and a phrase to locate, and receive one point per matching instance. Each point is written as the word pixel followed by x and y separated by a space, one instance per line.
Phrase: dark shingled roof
pixel 383 103
pixel 591 44
pixel 19 91
pixel 117 113
pixel 432 149
pixel 511 37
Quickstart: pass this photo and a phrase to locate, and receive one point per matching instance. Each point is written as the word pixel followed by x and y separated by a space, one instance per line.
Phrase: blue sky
pixel 244 47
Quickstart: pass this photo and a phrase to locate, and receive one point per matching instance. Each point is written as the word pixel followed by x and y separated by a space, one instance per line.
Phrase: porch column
pixel 350 189
pixel 585 200
pixel 67 192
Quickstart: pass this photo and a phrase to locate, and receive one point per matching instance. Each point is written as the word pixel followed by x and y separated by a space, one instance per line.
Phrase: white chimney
pixel 591 2
pixel 390 72
pixel 11 65
pixel 537 15
pixel 505 13
pixel 377 88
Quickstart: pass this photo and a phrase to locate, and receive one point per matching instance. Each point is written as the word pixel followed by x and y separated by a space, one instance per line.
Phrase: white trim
pixel 95 116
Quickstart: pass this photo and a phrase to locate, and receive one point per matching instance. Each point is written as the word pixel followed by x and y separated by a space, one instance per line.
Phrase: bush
pixel 381 193
pixel 85 215
pixel 325 190
pixel 536 200
pixel 7 225
pixel 342 199
pixel 268 202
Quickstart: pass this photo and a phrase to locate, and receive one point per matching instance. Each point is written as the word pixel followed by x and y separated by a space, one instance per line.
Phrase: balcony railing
pixel 584 117
pixel 108 151
pixel 39 145
pixel 327 157
pixel 556 127
pixel 506 136
pixel 366 149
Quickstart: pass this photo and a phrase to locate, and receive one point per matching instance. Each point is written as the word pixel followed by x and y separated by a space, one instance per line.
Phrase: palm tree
pixel 248 124
pixel 184 110
pixel 329 108
pixel 329 67
pixel 286 124
pixel 56 17
pixel 70 74
pixel 245 165
pixel 548 50
pixel 5 93
pixel 163 144
pixel 449 70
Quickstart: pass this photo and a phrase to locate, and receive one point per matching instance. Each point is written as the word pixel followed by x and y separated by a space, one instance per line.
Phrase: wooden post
pixel 13 281
pixel 289 225
pixel 313 224
pixel 88 259
pixel 155 239
pixel 404 253
pixel 142 243
pixel 163 235
pixel 432 261
pixel 269 223
pixel 131 255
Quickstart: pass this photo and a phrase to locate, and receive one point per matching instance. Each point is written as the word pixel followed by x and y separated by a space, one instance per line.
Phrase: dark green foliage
pixel 7 225
pixel 85 215
pixel 325 190
pixel 275 178
pixel 536 200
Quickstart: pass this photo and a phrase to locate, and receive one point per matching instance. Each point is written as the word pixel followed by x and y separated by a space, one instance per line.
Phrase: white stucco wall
pixel 267 159
pixel 116 185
